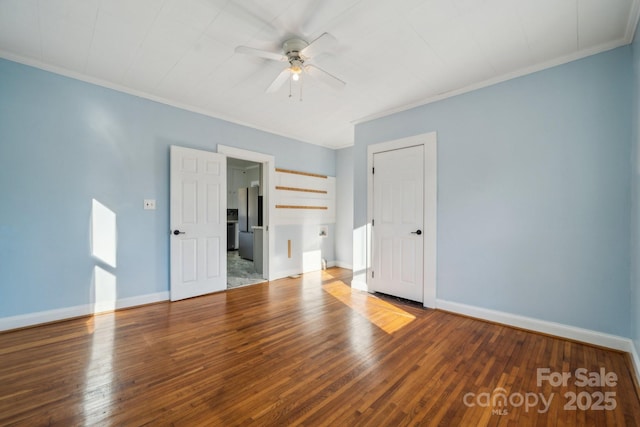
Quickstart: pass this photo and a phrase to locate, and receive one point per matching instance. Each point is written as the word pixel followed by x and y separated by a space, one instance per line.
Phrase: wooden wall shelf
pixel 304 198
pixel 306 190
pixel 301 173
pixel 301 207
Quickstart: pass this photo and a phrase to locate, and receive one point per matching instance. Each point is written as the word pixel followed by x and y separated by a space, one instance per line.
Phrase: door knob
pixel 176 232
pixel 418 232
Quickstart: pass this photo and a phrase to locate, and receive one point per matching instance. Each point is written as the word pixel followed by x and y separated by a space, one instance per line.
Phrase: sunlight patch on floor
pixel 384 315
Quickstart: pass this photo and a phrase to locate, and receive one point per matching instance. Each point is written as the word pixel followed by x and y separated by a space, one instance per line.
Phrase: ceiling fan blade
pixel 279 81
pixel 260 53
pixel 322 44
pixel 324 77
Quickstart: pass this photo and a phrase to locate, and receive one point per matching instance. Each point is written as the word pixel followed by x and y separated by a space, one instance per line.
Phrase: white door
pixel 198 222
pixel 397 229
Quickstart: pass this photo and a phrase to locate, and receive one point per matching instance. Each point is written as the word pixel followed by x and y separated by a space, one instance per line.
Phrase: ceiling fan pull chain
pixel 301 81
pixel 290 85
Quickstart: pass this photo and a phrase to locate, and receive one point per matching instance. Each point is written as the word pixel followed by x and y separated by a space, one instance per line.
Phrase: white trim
pixel 331 264
pixel 543 326
pixel 341 264
pixel 295 272
pixel 429 141
pixel 506 77
pixel 32 319
pixel 632 23
pixel 142 300
pixel 144 95
pixel 268 183
pixel 286 273
pixel 239 153
pixel 629 35
pixel 560 330
pixel 635 360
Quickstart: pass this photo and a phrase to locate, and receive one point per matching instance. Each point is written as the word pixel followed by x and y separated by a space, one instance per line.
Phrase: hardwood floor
pixel 306 351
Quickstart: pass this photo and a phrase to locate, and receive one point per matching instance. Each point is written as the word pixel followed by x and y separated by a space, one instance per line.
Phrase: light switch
pixel 149 204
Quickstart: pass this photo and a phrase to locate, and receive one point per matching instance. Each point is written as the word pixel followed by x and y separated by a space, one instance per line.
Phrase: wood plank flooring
pixel 307 351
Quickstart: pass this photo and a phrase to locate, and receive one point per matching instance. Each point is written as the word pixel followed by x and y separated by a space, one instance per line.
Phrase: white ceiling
pixel 392 54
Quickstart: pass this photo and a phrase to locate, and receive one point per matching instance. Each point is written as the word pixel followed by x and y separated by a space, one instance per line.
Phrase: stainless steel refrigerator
pixel 248 217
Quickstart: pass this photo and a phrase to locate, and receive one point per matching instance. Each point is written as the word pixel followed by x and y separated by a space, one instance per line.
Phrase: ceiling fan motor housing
pixel 292 48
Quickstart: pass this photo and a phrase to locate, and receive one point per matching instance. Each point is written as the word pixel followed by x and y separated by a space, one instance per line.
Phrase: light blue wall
pixel 635 196
pixel 64 143
pixel 534 195
pixel 344 206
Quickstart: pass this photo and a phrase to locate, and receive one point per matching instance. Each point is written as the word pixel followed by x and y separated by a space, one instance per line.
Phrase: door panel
pixel 189 203
pixel 198 214
pixel 398 193
pixel 213 257
pixel 213 203
pixel 410 210
pixel 189 257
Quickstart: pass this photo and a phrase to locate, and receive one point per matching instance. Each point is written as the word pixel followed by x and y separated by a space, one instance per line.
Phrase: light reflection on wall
pixel 104 250
pixel 360 258
pixel 311 261
pixel 99 375
pixel 103 233
pixel 104 290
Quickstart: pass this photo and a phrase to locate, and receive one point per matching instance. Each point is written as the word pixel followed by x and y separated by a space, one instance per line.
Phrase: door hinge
pixel 373 170
pixel 373 222
pixel 373 274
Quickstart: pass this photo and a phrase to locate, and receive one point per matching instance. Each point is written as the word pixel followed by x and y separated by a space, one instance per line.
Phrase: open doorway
pixel 245 222
pixel 267 177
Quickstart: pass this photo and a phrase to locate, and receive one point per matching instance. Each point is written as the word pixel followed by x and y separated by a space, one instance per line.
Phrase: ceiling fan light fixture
pixel 296 69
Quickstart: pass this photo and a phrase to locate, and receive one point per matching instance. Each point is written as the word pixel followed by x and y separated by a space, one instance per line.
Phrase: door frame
pixel 268 177
pixel 430 211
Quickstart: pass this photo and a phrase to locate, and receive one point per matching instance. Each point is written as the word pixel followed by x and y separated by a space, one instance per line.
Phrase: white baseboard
pixel 142 300
pixel 286 273
pixel 342 265
pixel 635 360
pixel 551 328
pixel 32 319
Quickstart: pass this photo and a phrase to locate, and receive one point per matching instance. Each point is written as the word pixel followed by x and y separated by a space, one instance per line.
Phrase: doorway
pixel 261 166
pixel 397 248
pixel 403 245
pixel 245 207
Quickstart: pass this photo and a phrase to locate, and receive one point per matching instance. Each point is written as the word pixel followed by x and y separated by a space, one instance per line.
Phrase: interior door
pixel 398 234
pixel 198 222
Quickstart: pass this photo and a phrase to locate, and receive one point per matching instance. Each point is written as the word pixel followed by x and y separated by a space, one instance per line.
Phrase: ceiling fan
pixel 297 53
